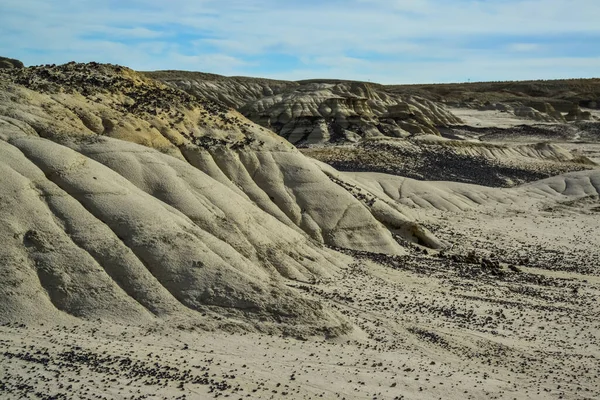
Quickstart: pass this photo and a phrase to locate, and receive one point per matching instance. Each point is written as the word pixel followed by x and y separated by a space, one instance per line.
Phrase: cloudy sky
pixel 387 41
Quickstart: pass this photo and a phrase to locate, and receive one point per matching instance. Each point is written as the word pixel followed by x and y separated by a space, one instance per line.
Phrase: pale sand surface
pixel 424 330
pixel 589 150
pixel 425 327
pixel 490 118
pixel 505 120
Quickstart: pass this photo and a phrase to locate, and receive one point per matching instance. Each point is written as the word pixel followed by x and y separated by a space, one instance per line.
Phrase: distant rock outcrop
pixel 547 109
pixel 552 98
pixel 309 112
pixel 6 63
pixel 433 158
pixel 324 112
pixel 494 107
pixel 576 114
pixel 533 114
pixel 234 92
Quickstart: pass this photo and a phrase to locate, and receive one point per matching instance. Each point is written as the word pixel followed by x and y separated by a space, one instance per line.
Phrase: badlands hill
pixel 407 131
pixel 156 243
pixel 6 63
pixel 317 111
pixel 324 111
pixel 128 199
pixel 549 101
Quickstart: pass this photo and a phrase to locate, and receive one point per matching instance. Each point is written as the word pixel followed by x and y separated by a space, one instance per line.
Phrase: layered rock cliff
pixel 309 112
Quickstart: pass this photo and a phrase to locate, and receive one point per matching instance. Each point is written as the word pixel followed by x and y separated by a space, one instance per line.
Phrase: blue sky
pixel 387 41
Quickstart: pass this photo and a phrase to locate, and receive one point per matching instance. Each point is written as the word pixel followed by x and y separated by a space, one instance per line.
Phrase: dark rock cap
pixel 10 63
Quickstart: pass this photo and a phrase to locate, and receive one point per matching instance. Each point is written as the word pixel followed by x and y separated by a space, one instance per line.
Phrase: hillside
pixel 157 243
pixel 312 112
pixel 186 205
pixel 337 111
pixel 6 63
pixel 565 96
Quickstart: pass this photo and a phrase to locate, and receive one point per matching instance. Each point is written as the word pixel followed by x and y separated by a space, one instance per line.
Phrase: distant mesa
pixel 553 101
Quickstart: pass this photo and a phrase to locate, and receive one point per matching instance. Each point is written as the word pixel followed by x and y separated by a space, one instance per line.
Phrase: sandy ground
pixel 589 150
pixel 427 327
pixel 487 119
pixel 483 119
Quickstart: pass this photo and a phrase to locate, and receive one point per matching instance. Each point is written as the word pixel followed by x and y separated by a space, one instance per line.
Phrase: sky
pixel 385 41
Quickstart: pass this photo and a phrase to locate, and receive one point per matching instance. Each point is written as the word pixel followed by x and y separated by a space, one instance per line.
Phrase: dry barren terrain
pixel 163 240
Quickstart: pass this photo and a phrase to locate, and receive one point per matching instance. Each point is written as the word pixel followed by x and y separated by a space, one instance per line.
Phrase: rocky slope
pixel 6 63
pixel 309 112
pixel 458 197
pixel 233 92
pixel 544 101
pixel 442 159
pixel 174 205
pixel 319 112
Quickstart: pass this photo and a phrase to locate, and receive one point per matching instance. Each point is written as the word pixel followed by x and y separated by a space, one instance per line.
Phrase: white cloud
pixel 524 47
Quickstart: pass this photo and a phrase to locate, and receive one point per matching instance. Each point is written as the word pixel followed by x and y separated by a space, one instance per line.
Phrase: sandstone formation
pixel 173 204
pixel 312 112
pixel 576 114
pixel 531 113
pixel 327 112
pixel 546 108
pixel 539 111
